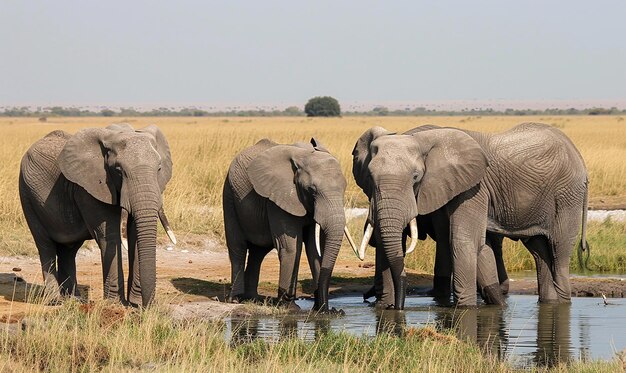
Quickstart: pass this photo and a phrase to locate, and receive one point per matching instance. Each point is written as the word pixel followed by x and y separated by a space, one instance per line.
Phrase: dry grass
pixel 202 149
pixel 105 337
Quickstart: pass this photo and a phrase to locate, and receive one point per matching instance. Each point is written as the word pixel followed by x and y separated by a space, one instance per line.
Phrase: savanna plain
pixel 102 336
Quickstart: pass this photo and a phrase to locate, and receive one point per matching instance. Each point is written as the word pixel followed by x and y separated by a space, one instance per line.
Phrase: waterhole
pixel 524 333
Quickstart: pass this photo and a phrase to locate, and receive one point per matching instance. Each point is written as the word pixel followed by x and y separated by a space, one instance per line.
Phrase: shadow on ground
pixel 14 288
pixel 339 285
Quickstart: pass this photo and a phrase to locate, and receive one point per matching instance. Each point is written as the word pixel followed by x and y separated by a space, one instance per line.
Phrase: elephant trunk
pixel 332 221
pixel 392 215
pixel 145 201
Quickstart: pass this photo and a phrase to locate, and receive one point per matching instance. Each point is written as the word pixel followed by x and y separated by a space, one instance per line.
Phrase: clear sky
pixel 282 52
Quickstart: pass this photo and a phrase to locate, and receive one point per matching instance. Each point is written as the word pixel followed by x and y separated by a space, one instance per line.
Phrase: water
pixel 524 333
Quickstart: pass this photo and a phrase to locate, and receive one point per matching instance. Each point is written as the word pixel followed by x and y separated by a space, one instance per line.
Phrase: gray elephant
pixel 283 196
pixel 73 188
pixel 528 183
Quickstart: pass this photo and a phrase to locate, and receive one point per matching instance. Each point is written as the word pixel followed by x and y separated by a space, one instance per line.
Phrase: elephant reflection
pixel 553 335
pixel 243 331
pixel 390 322
pixel 484 326
pixel 487 327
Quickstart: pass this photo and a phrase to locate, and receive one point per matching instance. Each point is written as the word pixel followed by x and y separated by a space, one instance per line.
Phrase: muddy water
pixel 524 333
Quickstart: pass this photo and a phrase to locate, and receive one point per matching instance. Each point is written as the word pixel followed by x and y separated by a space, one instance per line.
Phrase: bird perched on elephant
pixel 527 183
pixel 284 196
pixel 73 188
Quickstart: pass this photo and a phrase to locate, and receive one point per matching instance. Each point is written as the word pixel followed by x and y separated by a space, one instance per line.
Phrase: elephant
pixel 283 196
pixel 74 187
pixel 527 183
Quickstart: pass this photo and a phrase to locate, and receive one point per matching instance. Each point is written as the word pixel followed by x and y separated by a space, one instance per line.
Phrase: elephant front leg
pixel 314 260
pixel 468 226
pixel 256 255
pixel 287 237
pixel 66 255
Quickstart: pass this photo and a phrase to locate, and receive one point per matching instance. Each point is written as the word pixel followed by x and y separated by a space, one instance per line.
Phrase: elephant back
pixel 237 176
pixel 42 156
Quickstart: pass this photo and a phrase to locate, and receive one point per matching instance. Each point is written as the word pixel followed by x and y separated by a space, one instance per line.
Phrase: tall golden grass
pixel 202 149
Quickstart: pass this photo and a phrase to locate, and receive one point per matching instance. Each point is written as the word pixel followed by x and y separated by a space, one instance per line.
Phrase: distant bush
pixel 293 111
pixel 107 113
pixel 322 106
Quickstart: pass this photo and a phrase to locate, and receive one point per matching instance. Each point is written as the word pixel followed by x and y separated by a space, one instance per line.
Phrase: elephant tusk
pixel 166 225
pixel 346 231
pixel 317 239
pixel 366 239
pixel 413 226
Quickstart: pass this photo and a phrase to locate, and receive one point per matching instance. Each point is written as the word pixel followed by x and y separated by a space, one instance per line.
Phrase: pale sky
pixel 283 52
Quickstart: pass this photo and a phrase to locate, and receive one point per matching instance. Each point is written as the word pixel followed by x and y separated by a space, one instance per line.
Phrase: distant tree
pixel 293 111
pixel 324 106
pixel 107 112
pixel 381 111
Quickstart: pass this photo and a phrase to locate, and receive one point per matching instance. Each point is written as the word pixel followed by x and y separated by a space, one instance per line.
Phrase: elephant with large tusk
pixel 284 196
pixel 75 187
pixel 527 183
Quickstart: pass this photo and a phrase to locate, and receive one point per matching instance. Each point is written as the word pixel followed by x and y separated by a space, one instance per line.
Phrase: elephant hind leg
pixel 256 254
pixel 66 256
pixel 495 242
pixel 541 251
pixel 486 277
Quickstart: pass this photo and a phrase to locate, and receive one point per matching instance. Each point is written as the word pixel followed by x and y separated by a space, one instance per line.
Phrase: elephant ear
pixel 361 156
pixel 454 163
pixel 272 175
pixel 163 148
pixel 82 162
pixel 317 145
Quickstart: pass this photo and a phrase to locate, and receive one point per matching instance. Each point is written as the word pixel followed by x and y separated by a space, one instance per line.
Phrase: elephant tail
pixel 583 248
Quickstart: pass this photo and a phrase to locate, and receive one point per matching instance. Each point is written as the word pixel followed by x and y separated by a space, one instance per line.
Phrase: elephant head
pixel 407 175
pixel 306 181
pixel 120 166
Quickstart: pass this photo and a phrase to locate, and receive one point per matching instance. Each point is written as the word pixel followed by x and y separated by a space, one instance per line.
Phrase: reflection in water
pixel 484 326
pixel 390 322
pixel 524 333
pixel 553 335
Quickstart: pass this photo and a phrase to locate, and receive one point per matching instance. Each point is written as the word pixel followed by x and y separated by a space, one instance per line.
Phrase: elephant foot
pixel 371 292
pixel 504 287
pixel 442 287
pixel 493 295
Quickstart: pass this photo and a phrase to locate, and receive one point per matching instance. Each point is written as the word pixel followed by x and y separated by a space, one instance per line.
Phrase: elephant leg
pixel 562 245
pixel 540 249
pixel 237 246
pixel 47 250
pixel 103 222
pixel 66 258
pixel 487 277
pixel 253 269
pixel 495 242
pixel 47 257
pixel 442 280
pixel 468 227
pixel 287 236
pixel 315 261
